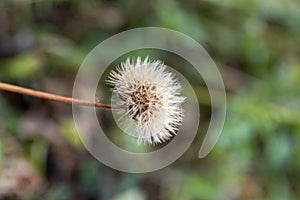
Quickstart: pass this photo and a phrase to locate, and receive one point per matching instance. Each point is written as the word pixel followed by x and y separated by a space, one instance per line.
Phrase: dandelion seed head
pixel 151 98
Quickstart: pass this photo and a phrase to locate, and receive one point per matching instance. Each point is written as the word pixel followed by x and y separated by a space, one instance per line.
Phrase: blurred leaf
pixel 38 154
pixel 172 15
pixel 283 155
pixel 197 187
pixel 279 189
pixel 1 153
pixel 61 192
pixel 62 52
pixel 69 131
pixel 130 194
pixel 23 66
pixel 68 57
pixel 89 175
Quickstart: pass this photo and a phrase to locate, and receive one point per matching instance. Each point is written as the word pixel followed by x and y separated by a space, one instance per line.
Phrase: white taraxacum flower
pixel 151 98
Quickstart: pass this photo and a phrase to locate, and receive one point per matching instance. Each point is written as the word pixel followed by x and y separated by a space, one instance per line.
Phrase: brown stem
pixel 54 97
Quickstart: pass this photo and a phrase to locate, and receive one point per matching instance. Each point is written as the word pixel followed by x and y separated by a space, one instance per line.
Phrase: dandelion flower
pixel 151 98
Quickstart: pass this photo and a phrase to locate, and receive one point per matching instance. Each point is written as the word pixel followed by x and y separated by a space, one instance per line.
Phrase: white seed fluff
pixel 151 98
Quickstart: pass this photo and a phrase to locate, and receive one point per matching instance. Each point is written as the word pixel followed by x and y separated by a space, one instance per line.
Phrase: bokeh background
pixel 256 45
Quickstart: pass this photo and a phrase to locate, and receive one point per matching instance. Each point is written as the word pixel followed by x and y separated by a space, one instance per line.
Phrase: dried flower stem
pixel 53 97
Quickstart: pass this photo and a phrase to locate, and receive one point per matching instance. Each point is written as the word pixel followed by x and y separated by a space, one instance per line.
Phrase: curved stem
pixel 54 97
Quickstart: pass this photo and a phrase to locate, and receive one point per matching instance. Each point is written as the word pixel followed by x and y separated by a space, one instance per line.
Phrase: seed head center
pixel 143 99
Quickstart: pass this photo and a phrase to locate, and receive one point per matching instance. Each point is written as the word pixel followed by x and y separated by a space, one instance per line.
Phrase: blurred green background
pixel 256 45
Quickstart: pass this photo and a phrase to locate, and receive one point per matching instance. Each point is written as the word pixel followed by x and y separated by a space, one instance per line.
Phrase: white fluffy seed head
pixel 151 97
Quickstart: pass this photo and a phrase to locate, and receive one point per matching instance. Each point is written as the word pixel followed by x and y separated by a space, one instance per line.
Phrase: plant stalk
pixel 53 97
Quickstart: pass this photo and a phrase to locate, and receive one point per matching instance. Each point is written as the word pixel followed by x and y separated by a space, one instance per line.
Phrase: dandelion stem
pixel 53 97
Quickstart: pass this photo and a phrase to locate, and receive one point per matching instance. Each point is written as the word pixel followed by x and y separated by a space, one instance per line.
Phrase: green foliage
pixel 59 192
pixel 21 67
pixel 69 131
pixel 38 154
pixel 89 179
